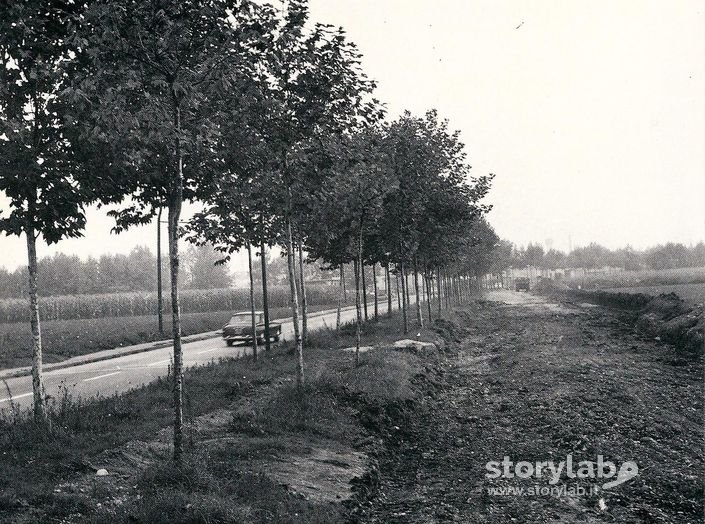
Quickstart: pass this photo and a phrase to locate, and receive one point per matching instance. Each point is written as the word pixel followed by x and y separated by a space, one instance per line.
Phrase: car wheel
pixel 229 343
pixel 276 338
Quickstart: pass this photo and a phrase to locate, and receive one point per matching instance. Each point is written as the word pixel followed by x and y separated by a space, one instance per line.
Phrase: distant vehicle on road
pixel 522 284
pixel 239 328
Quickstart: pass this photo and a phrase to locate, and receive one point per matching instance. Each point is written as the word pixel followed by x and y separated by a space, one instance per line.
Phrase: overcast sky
pixel 590 113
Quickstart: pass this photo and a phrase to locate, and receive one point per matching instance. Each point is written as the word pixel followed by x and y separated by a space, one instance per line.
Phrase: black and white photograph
pixel 352 261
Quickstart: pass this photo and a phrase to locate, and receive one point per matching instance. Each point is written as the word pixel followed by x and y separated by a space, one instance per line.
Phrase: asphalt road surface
pixel 123 373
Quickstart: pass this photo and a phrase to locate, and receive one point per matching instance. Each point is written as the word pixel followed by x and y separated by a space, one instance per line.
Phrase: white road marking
pixel 102 376
pixel 74 371
pixel 14 397
pixel 160 362
pixel 208 351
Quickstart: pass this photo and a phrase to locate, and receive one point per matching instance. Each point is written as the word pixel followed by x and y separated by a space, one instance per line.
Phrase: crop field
pixel 691 293
pixel 134 304
pixel 641 279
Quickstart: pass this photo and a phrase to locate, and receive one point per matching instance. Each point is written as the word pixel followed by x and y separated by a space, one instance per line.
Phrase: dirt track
pixel 536 381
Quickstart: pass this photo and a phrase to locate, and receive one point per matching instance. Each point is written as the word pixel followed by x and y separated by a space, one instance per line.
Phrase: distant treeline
pixel 593 256
pixel 62 274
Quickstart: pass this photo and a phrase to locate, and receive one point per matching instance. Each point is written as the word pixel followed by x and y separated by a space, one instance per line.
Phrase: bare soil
pixel 537 380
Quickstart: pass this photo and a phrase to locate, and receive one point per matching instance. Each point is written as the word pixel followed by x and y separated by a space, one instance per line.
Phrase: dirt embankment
pixel 539 381
pixel 666 316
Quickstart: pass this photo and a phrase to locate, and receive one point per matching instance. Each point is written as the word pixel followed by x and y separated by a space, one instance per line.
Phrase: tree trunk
pixel 265 298
pixel 345 290
pixel 405 277
pixel 304 305
pixel 428 294
pixel 358 323
pixel 419 312
pixel 451 295
pixel 177 386
pixel 404 298
pixel 446 282
pixel 252 303
pixel 389 289
pixel 364 288
pixel 160 297
pixel 37 375
pixel 396 281
pixel 438 289
pixel 294 301
pixel 374 281
pixel 175 202
pixel 423 288
pixel 296 278
pixel 341 291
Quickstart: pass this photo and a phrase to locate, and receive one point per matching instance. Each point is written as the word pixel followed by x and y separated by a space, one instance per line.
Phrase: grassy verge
pixel 63 339
pixel 250 431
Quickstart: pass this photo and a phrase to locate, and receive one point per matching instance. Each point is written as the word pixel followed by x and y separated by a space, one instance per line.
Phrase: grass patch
pixel 213 485
pixel 210 488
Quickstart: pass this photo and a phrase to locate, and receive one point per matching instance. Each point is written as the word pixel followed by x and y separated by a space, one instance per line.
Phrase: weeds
pixel 212 485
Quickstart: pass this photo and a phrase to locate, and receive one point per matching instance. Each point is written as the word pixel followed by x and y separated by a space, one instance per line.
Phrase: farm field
pixel 644 278
pixel 64 339
pixel 134 304
pixel 691 293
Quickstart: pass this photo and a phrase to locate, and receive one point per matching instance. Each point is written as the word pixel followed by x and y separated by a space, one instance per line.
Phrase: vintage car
pixel 522 284
pixel 240 328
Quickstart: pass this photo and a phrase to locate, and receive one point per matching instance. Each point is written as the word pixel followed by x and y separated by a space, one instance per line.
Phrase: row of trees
pixel 252 109
pixel 63 274
pixel 594 256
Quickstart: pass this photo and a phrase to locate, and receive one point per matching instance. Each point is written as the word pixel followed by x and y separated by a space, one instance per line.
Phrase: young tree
pixel 426 218
pixel 316 87
pixel 349 203
pixel 235 218
pixel 156 74
pixel 42 176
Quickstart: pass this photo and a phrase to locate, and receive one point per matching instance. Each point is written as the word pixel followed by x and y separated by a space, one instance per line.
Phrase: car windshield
pixel 246 317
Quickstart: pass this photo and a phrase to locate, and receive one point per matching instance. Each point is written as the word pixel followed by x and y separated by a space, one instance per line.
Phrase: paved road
pixel 121 374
